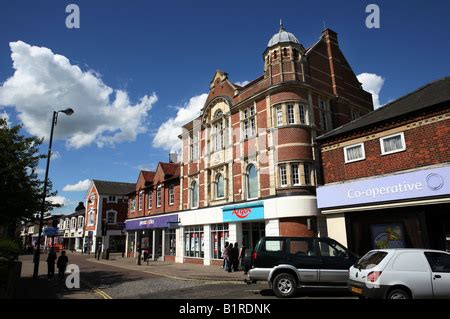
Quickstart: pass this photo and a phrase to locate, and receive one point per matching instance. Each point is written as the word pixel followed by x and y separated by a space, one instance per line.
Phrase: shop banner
pixel 250 211
pixel 151 222
pixel 418 184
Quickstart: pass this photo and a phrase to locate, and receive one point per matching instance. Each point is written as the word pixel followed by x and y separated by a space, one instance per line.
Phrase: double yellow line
pixel 98 291
pixel 102 294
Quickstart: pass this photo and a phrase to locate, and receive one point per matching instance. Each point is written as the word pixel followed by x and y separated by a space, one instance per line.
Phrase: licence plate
pixel 357 290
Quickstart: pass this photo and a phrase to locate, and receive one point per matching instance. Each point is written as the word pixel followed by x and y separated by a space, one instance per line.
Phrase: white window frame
pixel 191 195
pixel 217 186
pixel 249 122
pixel 302 107
pixel 358 159
pixel 171 195
pixel 132 205
pixel 402 138
pixel 158 196
pixel 194 146
pixel 89 218
pixel 281 175
pixel 289 118
pixel 113 200
pixel 307 176
pixel 108 212
pixel 150 199
pixel 140 201
pixel 80 221
pixel 279 114
pixel 295 173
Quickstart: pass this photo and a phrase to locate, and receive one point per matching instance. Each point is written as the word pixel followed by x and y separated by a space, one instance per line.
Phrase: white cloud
pixel 167 135
pixel 372 83
pixel 244 83
pixel 61 200
pixel 55 155
pixel 44 81
pixel 77 187
pixel 5 116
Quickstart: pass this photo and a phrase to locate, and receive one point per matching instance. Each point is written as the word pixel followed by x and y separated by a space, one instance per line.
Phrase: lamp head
pixel 69 111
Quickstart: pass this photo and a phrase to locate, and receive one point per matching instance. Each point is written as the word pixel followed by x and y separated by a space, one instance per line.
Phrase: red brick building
pixel 387 174
pixel 156 193
pixel 249 162
pixel 106 208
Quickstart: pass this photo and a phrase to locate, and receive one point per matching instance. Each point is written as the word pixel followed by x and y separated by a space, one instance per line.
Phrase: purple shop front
pixel 151 222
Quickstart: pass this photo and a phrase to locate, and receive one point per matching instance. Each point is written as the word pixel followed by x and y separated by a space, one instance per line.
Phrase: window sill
pixel 393 152
pixel 355 160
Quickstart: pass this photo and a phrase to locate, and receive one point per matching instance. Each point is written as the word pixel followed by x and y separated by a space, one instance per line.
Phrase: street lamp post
pixel 69 112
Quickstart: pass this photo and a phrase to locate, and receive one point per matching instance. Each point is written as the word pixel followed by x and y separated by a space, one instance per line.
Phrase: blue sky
pixel 161 56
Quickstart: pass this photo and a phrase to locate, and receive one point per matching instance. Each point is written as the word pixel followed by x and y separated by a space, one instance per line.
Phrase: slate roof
pixel 431 94
pixel 114 188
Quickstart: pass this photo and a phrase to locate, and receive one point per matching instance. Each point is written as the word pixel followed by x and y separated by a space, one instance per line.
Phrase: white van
pixel 401 274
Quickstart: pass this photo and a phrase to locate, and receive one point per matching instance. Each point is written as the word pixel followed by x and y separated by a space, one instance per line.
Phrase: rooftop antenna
pixel 324 25
pixel 281 25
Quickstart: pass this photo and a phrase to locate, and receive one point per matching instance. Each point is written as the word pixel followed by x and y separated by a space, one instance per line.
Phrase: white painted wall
pixel 272 227
pixel 337 229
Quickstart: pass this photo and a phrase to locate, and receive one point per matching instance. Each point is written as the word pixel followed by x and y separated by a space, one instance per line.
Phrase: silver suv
pixel 401 274
pixel 289 263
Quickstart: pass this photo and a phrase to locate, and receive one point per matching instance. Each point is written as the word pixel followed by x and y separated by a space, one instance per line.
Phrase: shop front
pixel 153 236
pixel 404 210
pixel 203 233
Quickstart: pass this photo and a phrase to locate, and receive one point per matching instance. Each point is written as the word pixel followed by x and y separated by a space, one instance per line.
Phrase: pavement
pixel 42 288
pixel 176 270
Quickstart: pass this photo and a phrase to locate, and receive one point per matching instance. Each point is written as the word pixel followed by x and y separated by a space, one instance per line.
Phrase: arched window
pixel 220 186
pixel 194 194
pixel 252 181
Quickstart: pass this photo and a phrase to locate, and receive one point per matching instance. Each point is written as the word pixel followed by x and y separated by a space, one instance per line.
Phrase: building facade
pixel 153 206
pixel 249 163
pixel 387 174
pixel 71 228
pixel 106 211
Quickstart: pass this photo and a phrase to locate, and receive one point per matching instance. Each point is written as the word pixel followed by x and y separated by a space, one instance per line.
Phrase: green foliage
pixel 20 187
pixel 9 249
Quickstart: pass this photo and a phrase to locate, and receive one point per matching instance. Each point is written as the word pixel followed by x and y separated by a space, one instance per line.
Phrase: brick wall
pixel 425 145
pixel 296 227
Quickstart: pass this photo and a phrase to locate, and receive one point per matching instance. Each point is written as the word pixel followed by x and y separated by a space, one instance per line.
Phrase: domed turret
pixel 283 57
pixel 282 37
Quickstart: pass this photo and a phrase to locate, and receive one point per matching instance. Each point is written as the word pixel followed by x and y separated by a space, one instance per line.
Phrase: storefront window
pixel 131 243
pixel 194 241
pixel 219 235
pixel 170 242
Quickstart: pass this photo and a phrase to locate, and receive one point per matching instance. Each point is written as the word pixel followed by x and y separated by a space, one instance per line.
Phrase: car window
pixel 371 259
pixel 439 262
pixel 273 245
pixel 331 250
pixel 301 247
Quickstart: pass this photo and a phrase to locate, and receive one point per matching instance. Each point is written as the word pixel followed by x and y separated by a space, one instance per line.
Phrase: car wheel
pixel 398 294
pixel 284 285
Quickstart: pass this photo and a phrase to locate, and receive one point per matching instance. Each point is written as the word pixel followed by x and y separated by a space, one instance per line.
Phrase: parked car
pixel 290 263
pixel 401 274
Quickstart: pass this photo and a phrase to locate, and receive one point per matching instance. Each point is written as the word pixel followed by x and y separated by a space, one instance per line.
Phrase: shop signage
pixel 250 211
pixel 151 222
pixel 418 184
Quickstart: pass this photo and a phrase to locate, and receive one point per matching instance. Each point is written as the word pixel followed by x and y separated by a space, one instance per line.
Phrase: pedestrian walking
pixel 243 264
pixel 223 254
pixel 62 264
pixel 235 257
pixel 228 257
pixel 51 258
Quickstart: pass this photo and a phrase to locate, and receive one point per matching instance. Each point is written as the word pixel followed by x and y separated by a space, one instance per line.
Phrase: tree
pixel 20 187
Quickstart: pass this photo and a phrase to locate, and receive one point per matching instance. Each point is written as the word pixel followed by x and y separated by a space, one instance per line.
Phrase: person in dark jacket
pixel 51 258
pixel 235 257
pixel 62 264
pixel 228 258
